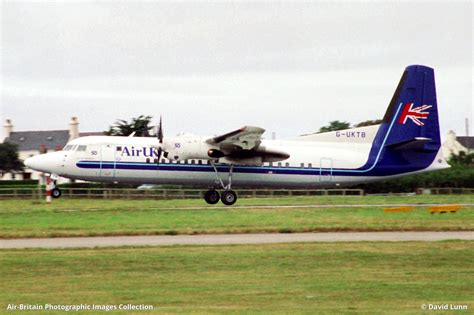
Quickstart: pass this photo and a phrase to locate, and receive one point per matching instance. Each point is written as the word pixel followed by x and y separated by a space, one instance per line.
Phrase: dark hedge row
pixel 28 182
pixel 458 176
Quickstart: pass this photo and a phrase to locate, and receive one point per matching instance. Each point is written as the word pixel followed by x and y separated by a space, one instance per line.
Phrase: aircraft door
pixel 107 164
pixel 325 170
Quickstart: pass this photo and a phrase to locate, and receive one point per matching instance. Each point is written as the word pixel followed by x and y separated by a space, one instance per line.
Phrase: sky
pixel 211 67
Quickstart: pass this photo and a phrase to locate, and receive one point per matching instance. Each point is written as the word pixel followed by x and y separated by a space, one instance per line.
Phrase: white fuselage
pixel 315 161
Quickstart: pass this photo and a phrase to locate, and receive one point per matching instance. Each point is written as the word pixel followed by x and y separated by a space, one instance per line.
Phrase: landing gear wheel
pixel 212 196
pixel 229 197
pixel 55 192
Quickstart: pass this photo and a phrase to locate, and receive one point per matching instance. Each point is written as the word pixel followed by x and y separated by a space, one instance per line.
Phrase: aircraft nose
pixel 31 162
pixel 48 163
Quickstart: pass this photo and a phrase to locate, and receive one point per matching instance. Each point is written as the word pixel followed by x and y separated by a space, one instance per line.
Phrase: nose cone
pixel 48 163
pixel 30 162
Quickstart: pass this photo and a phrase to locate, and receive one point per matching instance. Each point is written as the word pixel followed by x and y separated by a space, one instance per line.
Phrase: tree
pixel 462 159
pixel 335 125
pixel 368 123
pixel 140 125
pixel 9 161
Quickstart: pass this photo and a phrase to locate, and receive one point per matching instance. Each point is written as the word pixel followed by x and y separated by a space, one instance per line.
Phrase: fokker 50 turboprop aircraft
pixel 406 142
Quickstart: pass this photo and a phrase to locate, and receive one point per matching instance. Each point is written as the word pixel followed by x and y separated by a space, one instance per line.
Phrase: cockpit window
pixel 81 148
pixel 67 148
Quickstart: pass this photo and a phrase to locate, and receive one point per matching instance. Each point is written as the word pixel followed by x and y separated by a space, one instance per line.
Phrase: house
pixel 31 143
pixel 454 144
pixel 467 142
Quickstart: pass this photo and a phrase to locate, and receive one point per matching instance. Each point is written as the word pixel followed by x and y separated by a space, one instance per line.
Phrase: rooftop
pixel 51 139
pixel 32 140
pixel 467 142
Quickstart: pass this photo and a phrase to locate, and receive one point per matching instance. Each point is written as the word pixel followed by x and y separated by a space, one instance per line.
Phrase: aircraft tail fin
pixel 409 138
pixel 413 109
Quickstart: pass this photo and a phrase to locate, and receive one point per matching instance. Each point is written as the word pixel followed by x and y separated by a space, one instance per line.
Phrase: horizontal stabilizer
pixel 416 143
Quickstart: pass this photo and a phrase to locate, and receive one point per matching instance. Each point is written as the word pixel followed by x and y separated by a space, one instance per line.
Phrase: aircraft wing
pixel 247 138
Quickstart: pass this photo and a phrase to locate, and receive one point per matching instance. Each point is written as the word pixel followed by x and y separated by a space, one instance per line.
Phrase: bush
pixel 26 182
pixel 457 176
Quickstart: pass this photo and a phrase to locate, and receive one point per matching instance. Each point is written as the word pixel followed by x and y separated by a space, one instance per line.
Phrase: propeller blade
pixel 160 151
pixel 159 134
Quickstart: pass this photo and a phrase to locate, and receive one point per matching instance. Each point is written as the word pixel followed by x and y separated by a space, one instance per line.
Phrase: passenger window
pixel 270 164
pixel 148 160
pixel 118 148
pixel 193 162
pixel 163 161
pixel 155 161
pixel 81 148
pixel 279 164
pixel 287 164
pixel 302 164
pixel 310 165
pixel 199 162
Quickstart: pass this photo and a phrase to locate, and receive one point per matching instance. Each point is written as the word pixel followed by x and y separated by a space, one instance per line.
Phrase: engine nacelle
pixel 214 153
pixel 189 146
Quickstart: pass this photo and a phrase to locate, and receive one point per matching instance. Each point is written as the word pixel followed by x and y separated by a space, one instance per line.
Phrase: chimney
pixel 73 128
pixel 7 128
pixel 451 137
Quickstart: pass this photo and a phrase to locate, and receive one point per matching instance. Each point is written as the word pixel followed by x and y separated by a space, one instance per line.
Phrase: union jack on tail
pixel 415 114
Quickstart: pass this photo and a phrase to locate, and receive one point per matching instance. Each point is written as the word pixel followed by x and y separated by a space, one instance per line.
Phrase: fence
pixel 445 191
pixel 126 193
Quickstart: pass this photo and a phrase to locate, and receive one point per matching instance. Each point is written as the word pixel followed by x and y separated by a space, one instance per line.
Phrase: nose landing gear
pixel 228 196
pixel 51 189
pixel 56 192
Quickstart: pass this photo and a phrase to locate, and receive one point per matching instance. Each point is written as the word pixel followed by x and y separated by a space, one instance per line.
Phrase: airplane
pixel 407 141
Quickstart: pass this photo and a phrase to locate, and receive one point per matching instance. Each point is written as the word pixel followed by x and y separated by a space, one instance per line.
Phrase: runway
pixel 230 239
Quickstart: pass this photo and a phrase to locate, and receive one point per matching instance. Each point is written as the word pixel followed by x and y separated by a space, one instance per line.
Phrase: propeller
pixel 159 135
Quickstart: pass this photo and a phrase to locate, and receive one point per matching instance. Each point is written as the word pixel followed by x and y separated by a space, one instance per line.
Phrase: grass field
pixel 366 277
pixel 79 217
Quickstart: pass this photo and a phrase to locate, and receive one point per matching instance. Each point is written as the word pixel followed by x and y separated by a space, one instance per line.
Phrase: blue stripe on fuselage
pixel 368 169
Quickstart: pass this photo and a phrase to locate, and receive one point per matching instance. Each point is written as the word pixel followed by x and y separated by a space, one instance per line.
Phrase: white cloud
pixel 288 67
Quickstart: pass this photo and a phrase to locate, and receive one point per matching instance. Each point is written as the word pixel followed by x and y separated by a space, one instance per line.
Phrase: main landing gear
pixel 228 196
pixel 212 196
